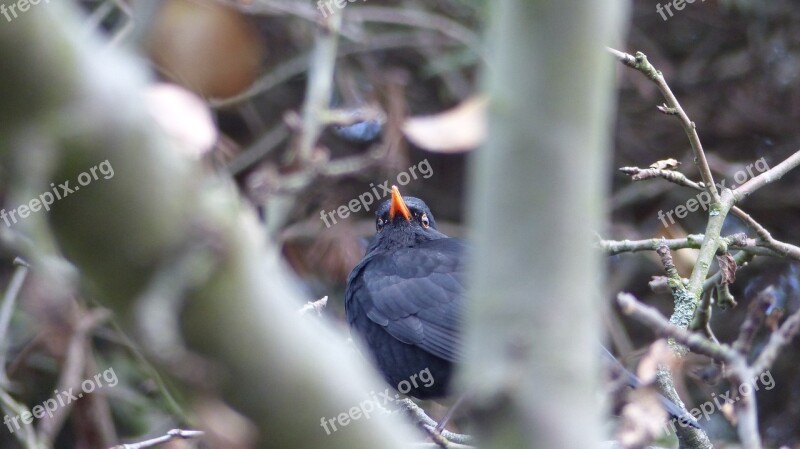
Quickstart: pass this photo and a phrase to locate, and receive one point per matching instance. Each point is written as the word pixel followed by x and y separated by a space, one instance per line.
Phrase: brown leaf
pixel 454 131
pixel 666 164
pixel 727 268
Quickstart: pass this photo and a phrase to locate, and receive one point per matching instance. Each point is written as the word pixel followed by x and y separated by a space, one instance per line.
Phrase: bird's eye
pixel 424 220
pixel 379 224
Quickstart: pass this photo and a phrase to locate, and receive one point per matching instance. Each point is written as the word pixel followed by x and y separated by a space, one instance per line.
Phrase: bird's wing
pixel 416 294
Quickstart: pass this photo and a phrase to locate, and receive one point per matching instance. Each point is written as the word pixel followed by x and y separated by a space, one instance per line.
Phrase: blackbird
pixel 405 300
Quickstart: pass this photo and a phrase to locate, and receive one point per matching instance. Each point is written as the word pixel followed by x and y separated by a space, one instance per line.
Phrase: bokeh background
pixel 734 66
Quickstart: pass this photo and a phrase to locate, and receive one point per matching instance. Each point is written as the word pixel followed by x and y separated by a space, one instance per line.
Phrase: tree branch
pixel 640 63
pixel 773 174
pixel 244 317
pixel 738 371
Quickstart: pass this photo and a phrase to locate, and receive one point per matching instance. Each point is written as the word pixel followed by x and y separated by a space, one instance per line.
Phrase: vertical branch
pixel 684 302
pixel 524 369
pixel 320 82
pixel 315 106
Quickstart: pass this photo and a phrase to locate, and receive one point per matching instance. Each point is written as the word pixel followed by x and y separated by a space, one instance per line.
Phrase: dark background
pixel 733 65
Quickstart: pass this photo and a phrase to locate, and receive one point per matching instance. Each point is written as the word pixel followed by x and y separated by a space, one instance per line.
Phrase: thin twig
pixel 319 88
pixel 783 336
pixel 174 434
pixel 7 309
pixel 418 19
pixel 299 64
pixel 662 327
pixel 702 318
pixel 73 371
pixel 640 63
pixel 746 411
pixel 738 241
pixel 258 150
pixel 659 283
pixel 766 240
pixel 422 418
pixel 673 176
pixel 773 174
pixel 26 433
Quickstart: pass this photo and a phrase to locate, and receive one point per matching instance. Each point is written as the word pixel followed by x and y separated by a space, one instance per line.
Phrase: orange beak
pixel 398 206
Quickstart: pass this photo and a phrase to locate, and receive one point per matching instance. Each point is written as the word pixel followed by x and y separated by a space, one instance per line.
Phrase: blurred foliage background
pixel 734 65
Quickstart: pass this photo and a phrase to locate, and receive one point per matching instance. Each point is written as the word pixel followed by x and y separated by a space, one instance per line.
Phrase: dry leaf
pixel 456 130
pixel 666 164
pixel 727 268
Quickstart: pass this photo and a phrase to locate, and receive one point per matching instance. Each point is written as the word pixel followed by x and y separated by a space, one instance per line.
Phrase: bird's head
pixel 403 221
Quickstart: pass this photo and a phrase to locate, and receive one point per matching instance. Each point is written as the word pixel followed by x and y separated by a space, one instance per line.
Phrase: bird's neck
pixel 391 242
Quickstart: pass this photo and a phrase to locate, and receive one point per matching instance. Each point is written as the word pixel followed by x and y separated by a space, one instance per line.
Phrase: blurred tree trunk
pixel 537 202
pixel 164 229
